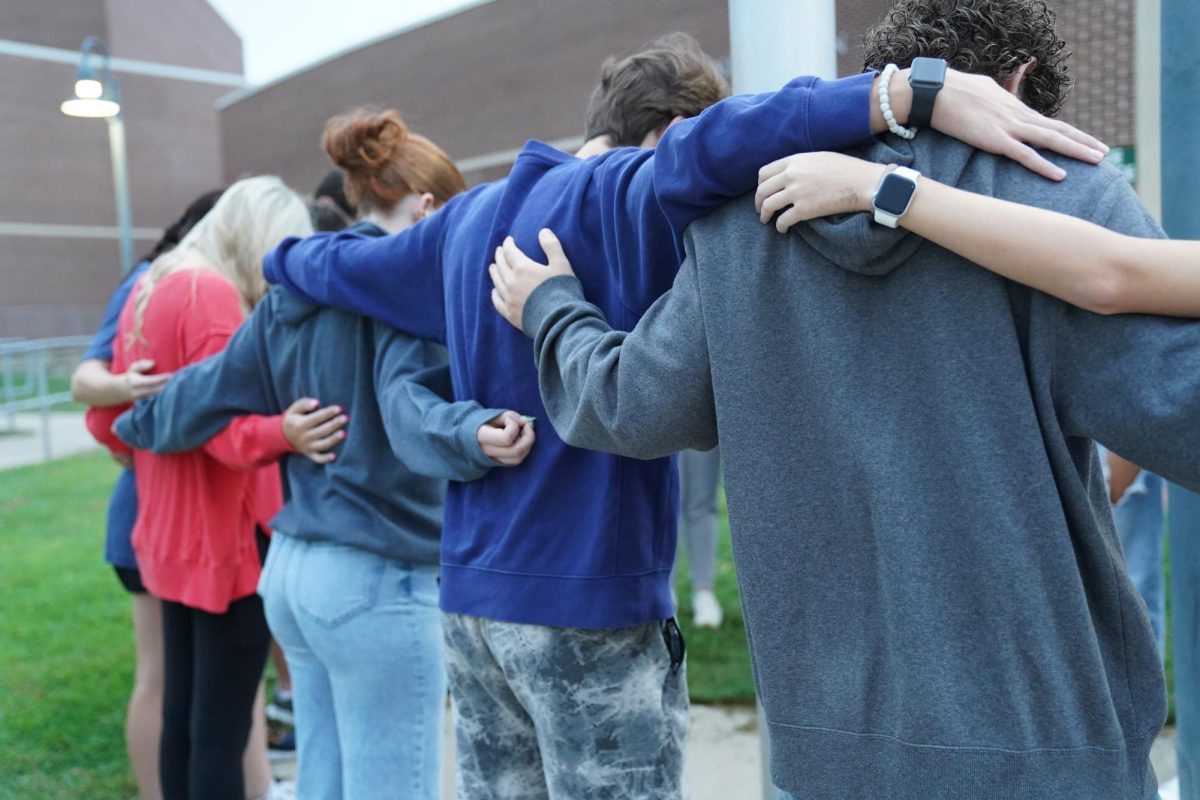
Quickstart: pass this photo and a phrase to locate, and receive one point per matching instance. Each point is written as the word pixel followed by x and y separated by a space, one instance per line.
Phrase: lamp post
pixel 97 95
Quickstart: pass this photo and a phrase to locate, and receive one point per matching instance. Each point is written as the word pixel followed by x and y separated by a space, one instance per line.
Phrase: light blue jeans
pixel 1184 508
pixel 363 640
pixel 1139 521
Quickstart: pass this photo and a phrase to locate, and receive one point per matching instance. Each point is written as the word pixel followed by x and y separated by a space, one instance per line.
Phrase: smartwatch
pixel 926 77
pixel 895 195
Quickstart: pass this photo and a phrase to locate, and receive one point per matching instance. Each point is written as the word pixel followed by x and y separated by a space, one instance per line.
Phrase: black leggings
pixel 214 663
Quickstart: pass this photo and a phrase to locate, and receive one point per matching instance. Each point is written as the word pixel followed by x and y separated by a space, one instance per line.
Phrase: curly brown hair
pixel 983 37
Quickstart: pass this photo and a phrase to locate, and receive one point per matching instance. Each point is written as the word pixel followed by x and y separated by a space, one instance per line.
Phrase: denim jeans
pixel 1139 521
pixel 363 639
pixel 1184 508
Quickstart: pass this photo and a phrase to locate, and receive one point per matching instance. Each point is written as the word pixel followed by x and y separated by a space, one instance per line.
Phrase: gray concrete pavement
pixel 25 442
pixel 723 757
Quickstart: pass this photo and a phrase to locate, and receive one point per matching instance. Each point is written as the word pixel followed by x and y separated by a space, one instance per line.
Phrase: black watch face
pixel 927 72
pixel 894 194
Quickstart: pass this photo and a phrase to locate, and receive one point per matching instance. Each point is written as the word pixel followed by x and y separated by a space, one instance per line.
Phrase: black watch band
pixel 926 77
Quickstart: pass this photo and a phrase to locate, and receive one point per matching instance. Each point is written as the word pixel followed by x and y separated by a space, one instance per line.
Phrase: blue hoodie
pixel 571 538
pixel 375 497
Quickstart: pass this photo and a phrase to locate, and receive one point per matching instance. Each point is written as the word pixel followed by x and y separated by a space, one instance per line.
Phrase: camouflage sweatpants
pixel 565 713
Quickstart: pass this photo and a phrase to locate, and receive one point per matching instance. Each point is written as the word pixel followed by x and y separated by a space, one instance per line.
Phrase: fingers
pixel 1050 139
pixel 553 249
pixel 499 284
pixel 774 204
pixel 1071 132
pixel 516 453
pixel 789 218
pixel 311 421
pixel 768 188
pixel 321 458
pixel 324 443
pixel 772 169
pixel 142 365
pixel 303 406
pixel 1029 158
pixel 320 432
pixel 509 256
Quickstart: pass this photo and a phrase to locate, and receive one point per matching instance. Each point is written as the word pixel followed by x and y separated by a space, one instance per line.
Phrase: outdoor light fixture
pixel 97 94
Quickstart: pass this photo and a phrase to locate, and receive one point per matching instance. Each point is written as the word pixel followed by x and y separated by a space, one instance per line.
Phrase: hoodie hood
pixel 291 309
pixel 855 242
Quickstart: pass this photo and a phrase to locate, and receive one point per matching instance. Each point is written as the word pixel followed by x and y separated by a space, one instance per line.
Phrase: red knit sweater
pixel 197 511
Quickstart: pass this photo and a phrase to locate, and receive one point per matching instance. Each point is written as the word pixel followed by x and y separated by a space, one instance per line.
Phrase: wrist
pixel 900 94
pixel 869 184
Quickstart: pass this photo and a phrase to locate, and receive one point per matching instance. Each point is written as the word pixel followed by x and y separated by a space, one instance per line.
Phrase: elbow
pixel 1106 293
pixel 77 389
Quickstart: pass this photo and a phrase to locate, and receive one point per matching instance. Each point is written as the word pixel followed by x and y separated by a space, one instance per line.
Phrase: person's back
pixel 954 618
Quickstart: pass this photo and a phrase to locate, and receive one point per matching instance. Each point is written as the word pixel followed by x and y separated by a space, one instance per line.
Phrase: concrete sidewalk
pixel 723 757
pixel 27 444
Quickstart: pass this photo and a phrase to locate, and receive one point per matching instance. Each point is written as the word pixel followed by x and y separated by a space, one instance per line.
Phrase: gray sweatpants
pixel 699 478
pixel 565 713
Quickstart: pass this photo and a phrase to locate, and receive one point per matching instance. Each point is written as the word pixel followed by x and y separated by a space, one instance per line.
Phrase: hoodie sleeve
pixel 430 434
pixel 643 394
pixel 395 279
pixel 202 405
pixel 704 162
pixel 1131 382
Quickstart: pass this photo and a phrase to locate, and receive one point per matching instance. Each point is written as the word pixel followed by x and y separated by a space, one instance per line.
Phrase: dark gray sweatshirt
pixel 384 493
pixel 935 598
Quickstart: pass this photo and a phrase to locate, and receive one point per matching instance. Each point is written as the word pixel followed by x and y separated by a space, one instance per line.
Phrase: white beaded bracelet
pixel 885 104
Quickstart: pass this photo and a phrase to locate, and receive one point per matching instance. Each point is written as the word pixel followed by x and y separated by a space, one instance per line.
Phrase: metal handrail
pixel 33 392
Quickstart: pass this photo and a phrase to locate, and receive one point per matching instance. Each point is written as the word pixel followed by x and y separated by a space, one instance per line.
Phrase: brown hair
pixel 641 93
pixel 983 37
pixel 383 161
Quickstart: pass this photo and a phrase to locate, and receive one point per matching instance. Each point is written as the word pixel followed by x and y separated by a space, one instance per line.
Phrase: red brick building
pixel 479 82
pixel 58 241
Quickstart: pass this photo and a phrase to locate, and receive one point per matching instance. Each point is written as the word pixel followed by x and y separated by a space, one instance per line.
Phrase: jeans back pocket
pixel 334 583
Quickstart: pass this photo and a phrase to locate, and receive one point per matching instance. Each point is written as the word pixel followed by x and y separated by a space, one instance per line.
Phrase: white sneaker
pixel 706 611
pixel 281 790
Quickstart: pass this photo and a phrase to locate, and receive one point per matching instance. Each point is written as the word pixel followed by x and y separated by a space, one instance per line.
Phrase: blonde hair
pixel 251 218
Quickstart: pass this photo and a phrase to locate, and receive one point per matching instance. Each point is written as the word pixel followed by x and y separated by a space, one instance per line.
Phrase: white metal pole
pixel 1148 90
pixel 771 42
pixel 120 170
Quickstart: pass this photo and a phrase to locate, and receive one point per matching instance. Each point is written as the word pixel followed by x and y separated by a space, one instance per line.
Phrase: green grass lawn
pixel 66 648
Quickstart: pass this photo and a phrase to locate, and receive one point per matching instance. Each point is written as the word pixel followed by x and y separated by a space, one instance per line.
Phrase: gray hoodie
pixel 935 598
pixel 375 497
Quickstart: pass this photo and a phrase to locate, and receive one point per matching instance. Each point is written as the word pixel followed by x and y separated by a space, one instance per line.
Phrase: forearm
pixel 643 394
pixel 432 436
pixel 394 279
pixel 94 384
pixel 1073 260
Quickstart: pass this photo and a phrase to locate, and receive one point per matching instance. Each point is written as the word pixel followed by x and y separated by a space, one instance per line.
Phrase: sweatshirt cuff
pixel 839 112
pixel 269 432
pixel 127 430
pixel 468 439
pixel 547 298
